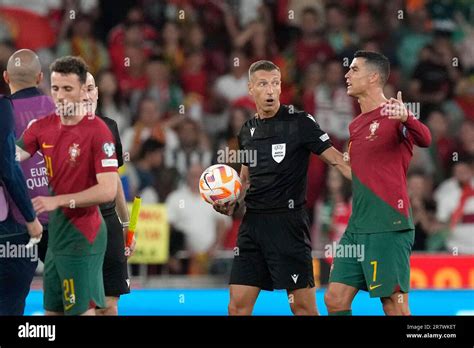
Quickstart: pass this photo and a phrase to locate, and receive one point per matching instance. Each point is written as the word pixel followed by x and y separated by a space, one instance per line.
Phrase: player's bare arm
pixel 229 208
pixel 104 191
pixel 336 159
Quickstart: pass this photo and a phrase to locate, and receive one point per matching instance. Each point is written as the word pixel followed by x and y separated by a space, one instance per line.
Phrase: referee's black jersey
pixel 276 151
pixel 109 207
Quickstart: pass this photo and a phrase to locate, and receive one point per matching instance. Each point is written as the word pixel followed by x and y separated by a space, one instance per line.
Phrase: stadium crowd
pixel 173 75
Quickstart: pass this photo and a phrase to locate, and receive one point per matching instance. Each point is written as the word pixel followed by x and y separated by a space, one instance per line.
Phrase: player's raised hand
pixel 44 204
pixel 226 208
pixel 396 109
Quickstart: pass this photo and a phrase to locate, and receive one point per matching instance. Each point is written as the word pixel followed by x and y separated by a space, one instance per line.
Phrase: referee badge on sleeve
pixel 278 152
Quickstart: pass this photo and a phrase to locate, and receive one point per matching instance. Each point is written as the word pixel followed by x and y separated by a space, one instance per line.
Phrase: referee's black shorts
pixel 274 251
pixel 115 273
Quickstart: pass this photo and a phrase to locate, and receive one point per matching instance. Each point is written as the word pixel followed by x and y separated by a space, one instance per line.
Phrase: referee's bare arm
pixel 238 207
pixel 336 159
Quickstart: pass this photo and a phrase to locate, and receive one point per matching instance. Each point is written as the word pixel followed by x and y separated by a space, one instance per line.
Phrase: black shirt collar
pixel 26 93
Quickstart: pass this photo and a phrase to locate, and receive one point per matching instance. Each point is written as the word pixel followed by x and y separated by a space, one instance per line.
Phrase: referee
pixel 273 245
pixel 115 273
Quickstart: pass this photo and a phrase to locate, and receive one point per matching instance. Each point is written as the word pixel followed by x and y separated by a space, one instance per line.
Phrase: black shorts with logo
pixel 116 280
pixel 274 251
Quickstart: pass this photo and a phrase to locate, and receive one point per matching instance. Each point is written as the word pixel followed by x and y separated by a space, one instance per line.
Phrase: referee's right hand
pixel 226 208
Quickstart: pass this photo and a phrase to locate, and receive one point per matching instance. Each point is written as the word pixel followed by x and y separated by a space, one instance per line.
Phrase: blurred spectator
pixel 464 96
pixel 215 59
pixel 291 12
pixel 430 83
pixel 81 42
pixel 133 31
pixel 455 206
pixel 313 76
pixel 194 78
pixel 141 173
pixel 132 74
pixel 167 94
pixel 415 36
pixel 193 148
pixel 427 227
pixel 465 146
pixel 312 46
pixel 339 34
pixel 366 27
pixel 148 125
pixel 171 48
pixel 203 228
pixel 422 161
pixel 331 105
pixel 237 117
pixel 333 211
pixel 110 103
pixel 234 85
pixel 443 146
pixel 466 45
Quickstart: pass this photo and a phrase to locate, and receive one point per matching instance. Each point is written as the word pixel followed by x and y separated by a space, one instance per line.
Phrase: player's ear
pixel 39 78
pixel 374 76
pixel 5 77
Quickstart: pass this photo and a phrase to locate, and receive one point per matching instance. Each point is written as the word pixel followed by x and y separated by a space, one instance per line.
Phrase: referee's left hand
pixel 226 208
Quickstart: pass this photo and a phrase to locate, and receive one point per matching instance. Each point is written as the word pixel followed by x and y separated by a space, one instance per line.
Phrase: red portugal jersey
pixel 380 151
pixel 73 156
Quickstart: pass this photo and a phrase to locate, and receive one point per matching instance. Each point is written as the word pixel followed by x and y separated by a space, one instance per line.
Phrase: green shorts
pixel 73 284
pixel 375 262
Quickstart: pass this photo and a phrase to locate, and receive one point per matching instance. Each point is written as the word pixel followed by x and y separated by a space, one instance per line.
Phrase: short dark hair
pixel 378 60
pixel 149 146
pixel 71 65
pixel 264 65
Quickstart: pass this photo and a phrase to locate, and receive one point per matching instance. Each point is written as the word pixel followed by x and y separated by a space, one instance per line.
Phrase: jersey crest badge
pixel 109 149
pixel 278 152
pixel 373 128
pixel 74 152
pixel 252 130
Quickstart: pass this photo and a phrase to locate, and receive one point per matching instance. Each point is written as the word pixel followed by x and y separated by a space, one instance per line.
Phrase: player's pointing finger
pixel 399 96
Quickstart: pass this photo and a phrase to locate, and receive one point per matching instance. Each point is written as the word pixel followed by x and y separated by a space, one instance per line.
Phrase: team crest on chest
pixel 74 152
pixel 278 152
pixel 373 128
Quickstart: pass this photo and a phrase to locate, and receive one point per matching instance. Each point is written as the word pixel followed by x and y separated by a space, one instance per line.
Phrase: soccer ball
pixel 220 183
